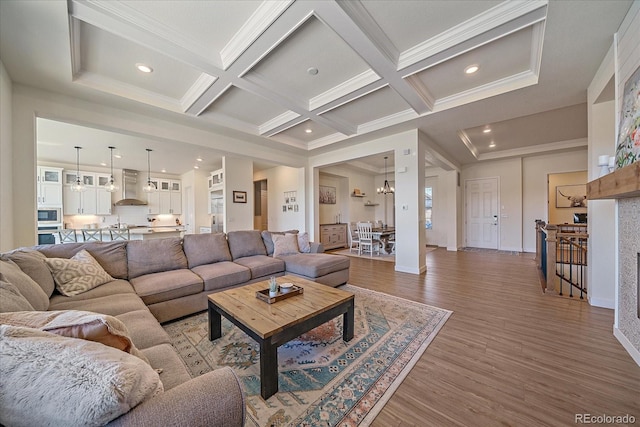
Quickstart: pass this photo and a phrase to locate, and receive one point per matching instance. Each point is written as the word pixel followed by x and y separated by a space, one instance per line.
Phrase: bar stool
pixel 92 235
pixel 119 234
pixel 67 236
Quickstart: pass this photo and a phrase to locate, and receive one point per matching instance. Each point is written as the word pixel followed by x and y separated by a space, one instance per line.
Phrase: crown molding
pixel 363 19
pixel 197 89
pixel 124 21
pixel 258 22
pixel 272 127
pixel 327 140
pixel 491 19
pixel 115 87
pixel 390 120
pixel 343 90
pixel 535 149
pixel 422 90
pixel 74 44
pixel 467 142
pixel 497 87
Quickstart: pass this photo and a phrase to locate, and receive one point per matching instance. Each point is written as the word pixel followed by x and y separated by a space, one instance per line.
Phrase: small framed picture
pixel 295 208
pixel 284 208
pixel 239 197
pixel 290 207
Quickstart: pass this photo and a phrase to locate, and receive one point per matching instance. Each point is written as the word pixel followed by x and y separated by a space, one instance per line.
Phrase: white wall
pixel 509 172
pixel 534 187
pixel 6 162
pixel 194 182
pixel 282 179
pixel 238 176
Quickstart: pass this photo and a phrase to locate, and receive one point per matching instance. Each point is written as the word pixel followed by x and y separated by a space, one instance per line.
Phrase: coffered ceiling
pixel 313 75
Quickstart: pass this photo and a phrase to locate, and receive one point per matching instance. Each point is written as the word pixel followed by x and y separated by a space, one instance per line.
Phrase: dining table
pixel 384 234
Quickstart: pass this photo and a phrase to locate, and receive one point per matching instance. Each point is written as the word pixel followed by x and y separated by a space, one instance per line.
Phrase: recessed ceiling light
pixel 308 130
pixel 117 156
pixel 144 68
pixel 164 171
pixel 487 130
pixel 196 167
pixel 471 69
pixel 199 159
pixel 312 71
pixel 103 164
pixel 492 145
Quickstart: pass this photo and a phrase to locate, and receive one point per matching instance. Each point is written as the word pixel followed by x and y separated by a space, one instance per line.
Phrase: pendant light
pixel 111 185
pixel 386 188
pixel 149 187
pixel 78 186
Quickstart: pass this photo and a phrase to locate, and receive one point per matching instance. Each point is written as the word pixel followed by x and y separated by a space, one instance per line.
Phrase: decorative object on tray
pixel 265 294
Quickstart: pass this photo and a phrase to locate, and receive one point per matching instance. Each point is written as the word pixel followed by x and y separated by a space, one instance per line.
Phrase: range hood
pixel 130 189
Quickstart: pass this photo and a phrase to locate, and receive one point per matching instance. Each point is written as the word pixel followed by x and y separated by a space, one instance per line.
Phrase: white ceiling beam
pixel 365 41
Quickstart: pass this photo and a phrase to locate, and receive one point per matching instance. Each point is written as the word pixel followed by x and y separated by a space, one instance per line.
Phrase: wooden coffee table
pixel 272 325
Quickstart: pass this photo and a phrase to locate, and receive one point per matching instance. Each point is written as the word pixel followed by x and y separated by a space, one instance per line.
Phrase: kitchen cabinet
pixel 85 202
pixel 333 236
pixel 104 205
pixel 49 187
pixel 216 180
pixel 168 198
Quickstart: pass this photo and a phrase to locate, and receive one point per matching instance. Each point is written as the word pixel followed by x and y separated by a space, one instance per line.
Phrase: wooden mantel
pixel 621 184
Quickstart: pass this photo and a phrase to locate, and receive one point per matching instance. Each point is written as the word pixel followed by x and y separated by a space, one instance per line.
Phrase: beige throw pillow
pixel 285 245
pixel 78 274
pixel 303 242
pixel 49 380
pixel 86 325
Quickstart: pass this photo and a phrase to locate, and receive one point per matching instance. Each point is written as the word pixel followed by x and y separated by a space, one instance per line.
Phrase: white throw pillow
pixel 285 245
pixel 77 275
pixel 101 328
pixel 49 380
pixel 303 242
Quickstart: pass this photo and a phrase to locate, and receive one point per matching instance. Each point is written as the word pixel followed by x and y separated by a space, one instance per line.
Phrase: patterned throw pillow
pixel 285 245
pixel 78 274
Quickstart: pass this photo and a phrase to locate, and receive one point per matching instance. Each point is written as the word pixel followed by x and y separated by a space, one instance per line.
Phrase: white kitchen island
pixel 136 233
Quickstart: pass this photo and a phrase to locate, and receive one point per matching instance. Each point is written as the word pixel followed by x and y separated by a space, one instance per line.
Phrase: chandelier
pixel 386 188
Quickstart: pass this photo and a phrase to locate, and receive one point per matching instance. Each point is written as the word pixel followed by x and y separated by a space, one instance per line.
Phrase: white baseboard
pixel 604 303
pixel 633 352
pixel 512 249
pixel 411 270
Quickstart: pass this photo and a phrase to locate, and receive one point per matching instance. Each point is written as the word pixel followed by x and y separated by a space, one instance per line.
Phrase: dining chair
pixel 67 236
pixel 94 235
pixel 119 234
pixel 392 244
pixel 353 236
pixel 366 239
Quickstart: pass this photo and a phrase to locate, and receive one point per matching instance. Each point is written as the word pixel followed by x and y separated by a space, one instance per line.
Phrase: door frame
pixel 499 226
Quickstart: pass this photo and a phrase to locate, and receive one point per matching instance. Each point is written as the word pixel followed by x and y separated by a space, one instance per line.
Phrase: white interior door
pixel 481 200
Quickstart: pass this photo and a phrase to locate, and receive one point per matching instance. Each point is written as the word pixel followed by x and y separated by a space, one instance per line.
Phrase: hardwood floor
pixel 508 355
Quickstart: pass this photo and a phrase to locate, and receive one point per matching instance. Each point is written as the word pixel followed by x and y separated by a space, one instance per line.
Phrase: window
pixel 428 207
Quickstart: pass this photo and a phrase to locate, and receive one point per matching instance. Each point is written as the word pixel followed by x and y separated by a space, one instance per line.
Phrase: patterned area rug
pixel 323 381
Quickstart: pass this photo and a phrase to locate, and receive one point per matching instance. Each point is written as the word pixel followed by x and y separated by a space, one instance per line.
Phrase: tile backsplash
pixel 130 215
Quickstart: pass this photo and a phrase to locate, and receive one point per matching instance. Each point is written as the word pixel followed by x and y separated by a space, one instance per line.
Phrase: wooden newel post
pixel 552 232
pixel 539 226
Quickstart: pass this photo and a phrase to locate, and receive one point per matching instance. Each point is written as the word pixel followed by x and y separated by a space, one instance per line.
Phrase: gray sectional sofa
pixel 164 279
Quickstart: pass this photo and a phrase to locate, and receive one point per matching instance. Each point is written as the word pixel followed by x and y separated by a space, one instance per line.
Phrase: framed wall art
pixel 327 195
pixel 239 197
pixel 571 196
pixel 628 147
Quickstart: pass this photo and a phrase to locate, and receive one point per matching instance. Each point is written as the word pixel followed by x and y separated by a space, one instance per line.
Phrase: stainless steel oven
pixel 49 216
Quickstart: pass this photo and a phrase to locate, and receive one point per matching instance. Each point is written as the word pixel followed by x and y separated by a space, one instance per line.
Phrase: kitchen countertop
pixel 132 230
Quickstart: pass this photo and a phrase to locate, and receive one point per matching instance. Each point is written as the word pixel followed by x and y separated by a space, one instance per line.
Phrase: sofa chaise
pixel 160 280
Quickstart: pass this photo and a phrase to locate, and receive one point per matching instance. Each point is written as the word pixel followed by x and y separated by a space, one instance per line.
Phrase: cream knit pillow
pixel 49 380
pixel 78 274
pixel 285 245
